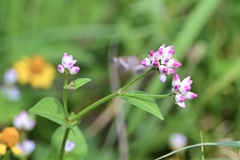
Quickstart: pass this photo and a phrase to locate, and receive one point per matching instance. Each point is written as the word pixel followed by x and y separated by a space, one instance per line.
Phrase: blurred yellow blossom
pixel 9 138
pixel 36 71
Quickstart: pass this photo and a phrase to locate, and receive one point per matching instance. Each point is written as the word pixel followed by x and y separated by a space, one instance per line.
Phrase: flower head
pixel 23 121
pixel 163 61
pixel 67 65
pixel 8 88
pixel 10 76
pixel 177 141
pixel 181 90
pixel 36 71
pixel 69 146
pixel 9 138
pixel 27 147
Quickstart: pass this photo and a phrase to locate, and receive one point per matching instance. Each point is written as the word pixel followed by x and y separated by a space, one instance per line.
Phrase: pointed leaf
pixel 80 82
pixel 80 150
pixel 51 109
pixel 144 102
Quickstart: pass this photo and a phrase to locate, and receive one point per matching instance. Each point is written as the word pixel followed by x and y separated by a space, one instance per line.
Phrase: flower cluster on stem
pixel 166 65
pixel 163 61
pixel 68 65
pixel 181 90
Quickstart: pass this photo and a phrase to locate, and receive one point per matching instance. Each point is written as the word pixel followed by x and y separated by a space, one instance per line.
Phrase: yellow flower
pixel 35 71
pixel 9 138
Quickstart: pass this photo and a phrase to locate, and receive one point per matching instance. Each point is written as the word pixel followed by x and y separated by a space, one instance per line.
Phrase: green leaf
pixel 80 82
pixel 51 109
pixel 80 150
pixel 144 102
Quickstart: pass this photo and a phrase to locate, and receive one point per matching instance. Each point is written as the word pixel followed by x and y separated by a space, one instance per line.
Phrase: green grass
pixel 206 38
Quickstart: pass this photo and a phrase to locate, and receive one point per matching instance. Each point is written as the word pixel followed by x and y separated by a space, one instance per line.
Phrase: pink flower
pixel 68 65
pixel 181 90
pixel 23 121
pixel 163 61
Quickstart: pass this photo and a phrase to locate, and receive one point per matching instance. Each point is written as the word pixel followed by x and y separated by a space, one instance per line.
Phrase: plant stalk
pixel 65 95
pixel 63 143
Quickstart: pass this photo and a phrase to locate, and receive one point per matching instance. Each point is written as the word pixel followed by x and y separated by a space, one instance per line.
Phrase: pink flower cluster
pixel 166 65
pixel 68 65
pixel 162 59
pixel 181 90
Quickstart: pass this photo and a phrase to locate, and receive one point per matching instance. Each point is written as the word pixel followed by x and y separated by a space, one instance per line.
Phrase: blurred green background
pixel 206 37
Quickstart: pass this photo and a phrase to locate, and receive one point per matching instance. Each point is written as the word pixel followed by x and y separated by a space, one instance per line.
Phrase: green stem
pixel 136 79
pixel 107 98
pixel 94 105
pixel 148 95
pixel 6 156
pixel 65 95
pixel 64 142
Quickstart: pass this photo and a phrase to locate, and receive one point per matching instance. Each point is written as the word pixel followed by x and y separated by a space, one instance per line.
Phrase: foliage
pixel 205 35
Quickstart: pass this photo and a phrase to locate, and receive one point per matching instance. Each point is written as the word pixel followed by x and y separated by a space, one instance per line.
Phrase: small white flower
pixel 23 121
pixel 10 77
pixel 177 141
pixel 69 146
pixel 26 147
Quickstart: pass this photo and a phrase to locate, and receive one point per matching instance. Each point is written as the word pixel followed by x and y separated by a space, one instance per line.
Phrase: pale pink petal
pixel 190 95
pixel 74 70
pixel 163 69
pixel 165 60
pixel 155 63
pixel 162 47
pixel 60 68
pixel 186 81
pixel 151 55
pixel 159 54
pixel 176 80
pixel 173 63
pixel 181 104
pixel 170 71
pixel 146 62
pixel 179 98
pixel 184 89
pixel 162 77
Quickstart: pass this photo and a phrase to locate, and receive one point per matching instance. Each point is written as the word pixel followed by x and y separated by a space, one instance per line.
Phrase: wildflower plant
pixel 68 141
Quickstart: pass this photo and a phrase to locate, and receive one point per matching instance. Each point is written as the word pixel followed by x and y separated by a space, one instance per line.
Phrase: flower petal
pixel 181 104
pixel 190 95
pixel 186 81
pixel 74 70
pixel 155 63
pixel 69 146
pixel 163 69
pixel 173 63
pixel 179 98
pixel 184 89
pixel 146 62
pixel 151 55
pixel 60 68
pixel 162 77
pixel 3 149
pixel 176 80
